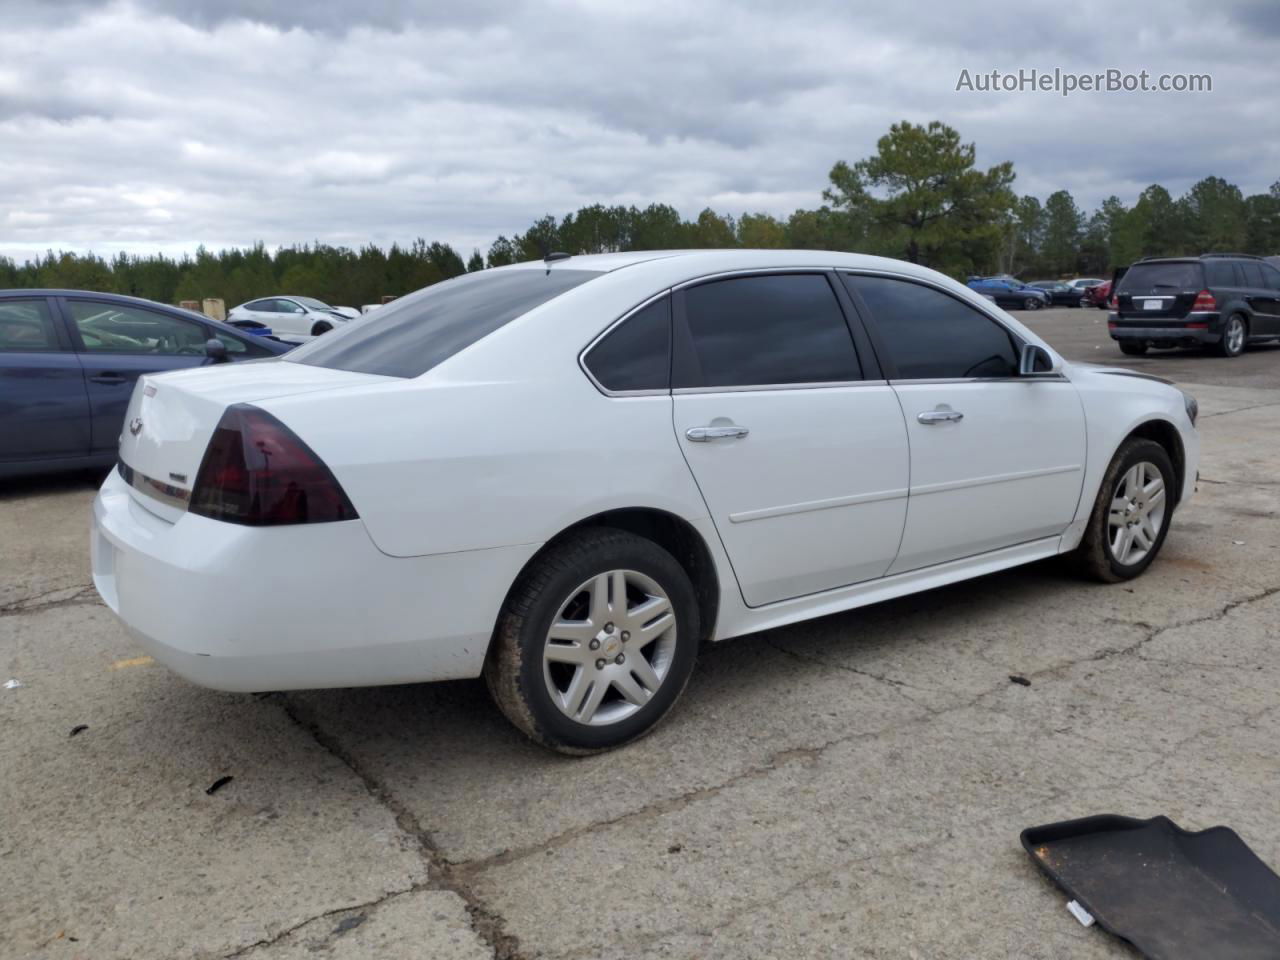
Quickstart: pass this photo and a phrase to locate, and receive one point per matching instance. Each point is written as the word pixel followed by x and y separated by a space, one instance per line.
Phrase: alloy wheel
pixel 1234 335
pixel 609 648
pixel 1137 513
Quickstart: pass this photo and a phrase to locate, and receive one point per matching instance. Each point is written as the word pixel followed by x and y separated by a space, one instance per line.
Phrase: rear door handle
pixel 108 378
pixel 943 414
pixel 707 434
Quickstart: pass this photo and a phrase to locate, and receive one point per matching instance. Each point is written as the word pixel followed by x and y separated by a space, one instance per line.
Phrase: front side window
pixel 931 335
pixel 111 328
pixel 409 336
pixel 242 349
pixel 26 325
pixel 636 354
pixel 765 330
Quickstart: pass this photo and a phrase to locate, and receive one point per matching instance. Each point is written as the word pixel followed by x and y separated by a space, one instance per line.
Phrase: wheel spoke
pixel 655 628
pixel 599 687
pixel 1140 539
pixel 1117 517
pixel 634 693
pixel 1133 480
pixel 1123 545
pixel 644 672
pixel 577 631
pixel 1150 530
pixel 600 600
pixel 638 616
pixel 618 596
pixel 571 699
pixel 567 652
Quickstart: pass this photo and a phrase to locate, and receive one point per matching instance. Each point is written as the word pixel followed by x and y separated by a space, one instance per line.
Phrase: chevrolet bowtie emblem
pixel 135 426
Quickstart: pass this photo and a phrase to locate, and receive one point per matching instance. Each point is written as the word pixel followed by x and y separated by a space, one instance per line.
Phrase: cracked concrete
pixel 848 787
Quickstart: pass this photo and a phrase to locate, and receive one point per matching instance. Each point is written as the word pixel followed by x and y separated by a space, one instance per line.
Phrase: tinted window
pixel 1252 273
pixel 111 328
pixel 1218 273
pixel 26 325
pixel 242 348
pixel 411 335
pixel 261 306
pixel 636 355
pixel 1271 276
pixel 931 335
pixel 1149 277
pixel 766 330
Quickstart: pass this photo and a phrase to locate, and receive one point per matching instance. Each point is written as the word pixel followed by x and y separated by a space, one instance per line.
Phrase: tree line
pixel 919 197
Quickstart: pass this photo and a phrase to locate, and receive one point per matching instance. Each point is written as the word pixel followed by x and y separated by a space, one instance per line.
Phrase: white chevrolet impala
pixel 567 475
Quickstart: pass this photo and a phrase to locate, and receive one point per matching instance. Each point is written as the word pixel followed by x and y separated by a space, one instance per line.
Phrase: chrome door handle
pixel 943 414
pixel 706 434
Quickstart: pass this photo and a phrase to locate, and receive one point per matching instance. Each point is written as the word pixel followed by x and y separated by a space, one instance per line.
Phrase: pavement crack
pixel 74 595
pixel 1225 413
pixel 368 906
pixel 486 923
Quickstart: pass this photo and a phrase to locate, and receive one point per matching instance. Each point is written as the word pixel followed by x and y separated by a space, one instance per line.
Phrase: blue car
pixel 1008 292
pixel 69 360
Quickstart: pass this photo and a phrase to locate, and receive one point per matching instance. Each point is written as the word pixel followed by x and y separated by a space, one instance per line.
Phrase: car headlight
pixel 1193 408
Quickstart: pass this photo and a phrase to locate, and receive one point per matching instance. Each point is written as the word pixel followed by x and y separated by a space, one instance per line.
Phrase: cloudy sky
pixel 161 124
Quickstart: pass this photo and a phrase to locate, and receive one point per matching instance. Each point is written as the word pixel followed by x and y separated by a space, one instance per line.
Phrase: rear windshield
pixel 409 336
pixel 1177 275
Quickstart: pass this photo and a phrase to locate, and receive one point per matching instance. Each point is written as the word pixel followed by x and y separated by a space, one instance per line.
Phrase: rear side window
pixel 931 335
pixel 1150 277
pixel 636 354
pixel 409 336
pixel 25 325
pixel 766 330
pixel 1218 273
pixel 1252 273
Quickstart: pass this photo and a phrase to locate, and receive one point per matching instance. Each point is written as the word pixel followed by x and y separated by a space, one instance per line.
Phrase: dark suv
pixel 1221 300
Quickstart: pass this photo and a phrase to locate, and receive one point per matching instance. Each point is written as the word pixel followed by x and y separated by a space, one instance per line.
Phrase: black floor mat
pixel 1174 895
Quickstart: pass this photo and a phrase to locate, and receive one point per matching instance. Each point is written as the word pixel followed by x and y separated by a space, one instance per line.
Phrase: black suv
pixel 1223 300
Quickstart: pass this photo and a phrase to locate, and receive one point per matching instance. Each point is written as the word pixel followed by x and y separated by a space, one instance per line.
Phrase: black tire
pixel 1228 346
pixel 1094 558
pixel 513 669
pixel 1133 348
pixel 321 328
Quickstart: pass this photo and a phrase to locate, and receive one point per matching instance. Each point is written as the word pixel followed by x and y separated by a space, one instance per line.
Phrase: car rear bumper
pixel 318 605
pixel 1197 328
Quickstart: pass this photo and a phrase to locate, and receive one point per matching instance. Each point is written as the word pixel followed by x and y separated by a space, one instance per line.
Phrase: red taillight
pixel 1205 303
pixel 1114 302
pixel 257 472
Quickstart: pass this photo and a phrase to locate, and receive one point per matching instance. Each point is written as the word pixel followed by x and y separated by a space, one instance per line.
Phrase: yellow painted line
pixel 135 662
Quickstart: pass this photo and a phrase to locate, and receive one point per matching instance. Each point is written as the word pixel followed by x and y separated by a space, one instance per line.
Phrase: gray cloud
pixel 160 125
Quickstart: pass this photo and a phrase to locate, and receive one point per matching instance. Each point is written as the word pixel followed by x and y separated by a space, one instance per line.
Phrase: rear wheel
pixel 1032 303
pixel 595 643
pixel 1131 513
pixel 1234 334
pixel 1134 348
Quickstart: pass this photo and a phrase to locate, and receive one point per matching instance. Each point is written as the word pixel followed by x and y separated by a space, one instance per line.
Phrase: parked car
pixel 1099 295
pixel 1082 284
pixel 68 362
pixel 1223 301
pixel 1008 292
pixel 567 476
pixel 293 318
pixel 1060 294
pixel 251 326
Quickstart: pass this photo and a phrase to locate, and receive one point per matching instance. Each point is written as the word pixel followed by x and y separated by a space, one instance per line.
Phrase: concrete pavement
pixel 849 787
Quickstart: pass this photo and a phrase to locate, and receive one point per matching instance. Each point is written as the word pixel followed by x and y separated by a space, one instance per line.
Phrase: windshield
pixel 1165 275
pixel 409 336
pixel 313 303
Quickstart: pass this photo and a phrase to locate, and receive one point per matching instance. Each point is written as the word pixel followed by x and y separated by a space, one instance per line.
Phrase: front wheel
pixel 595 643
pixel 1131 514
pixel 1234 334
pixel 321 328
pixel 1032 303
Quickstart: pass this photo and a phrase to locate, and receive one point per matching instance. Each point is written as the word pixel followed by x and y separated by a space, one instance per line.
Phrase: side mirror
pixel 1035 361
pixel 215 350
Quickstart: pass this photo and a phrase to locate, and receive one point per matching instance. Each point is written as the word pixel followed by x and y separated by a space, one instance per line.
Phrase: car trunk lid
pixel 171 417
pixel 1163 289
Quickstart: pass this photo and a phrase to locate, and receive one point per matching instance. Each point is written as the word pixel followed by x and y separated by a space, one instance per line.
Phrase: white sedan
pixel 566 476
pixel 293 318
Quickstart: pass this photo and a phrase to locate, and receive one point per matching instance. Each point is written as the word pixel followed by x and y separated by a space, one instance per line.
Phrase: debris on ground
pixel 218 785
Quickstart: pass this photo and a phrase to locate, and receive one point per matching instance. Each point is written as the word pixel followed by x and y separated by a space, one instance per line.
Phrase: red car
pixel 1098 296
